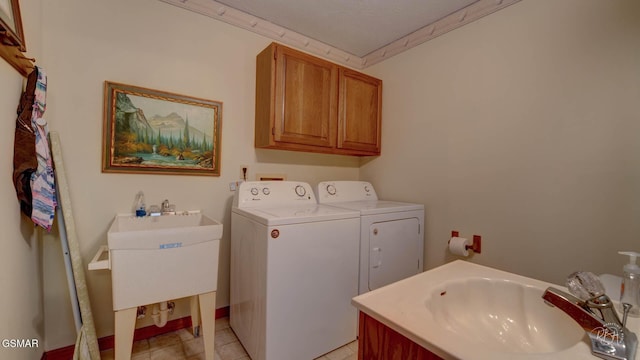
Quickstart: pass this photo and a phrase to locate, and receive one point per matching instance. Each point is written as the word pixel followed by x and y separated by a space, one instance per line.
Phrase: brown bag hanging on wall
pixel 24 147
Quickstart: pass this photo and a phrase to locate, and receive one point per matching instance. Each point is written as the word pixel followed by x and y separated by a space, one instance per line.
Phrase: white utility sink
pixel 159 258
pixel 503 315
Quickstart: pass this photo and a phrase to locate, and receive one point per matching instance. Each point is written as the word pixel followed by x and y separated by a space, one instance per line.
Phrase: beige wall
pixel 155 45
pixel 21 309
pixel 21 303
pixel 523 127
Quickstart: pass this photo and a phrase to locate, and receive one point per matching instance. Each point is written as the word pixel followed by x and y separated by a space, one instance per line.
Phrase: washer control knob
pixel 266 191
pixel 331 189
pixel 254 191
pixel 300 190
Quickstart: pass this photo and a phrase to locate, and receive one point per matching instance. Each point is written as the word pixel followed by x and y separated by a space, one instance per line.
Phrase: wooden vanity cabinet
pixel 305 103
pixel 377 341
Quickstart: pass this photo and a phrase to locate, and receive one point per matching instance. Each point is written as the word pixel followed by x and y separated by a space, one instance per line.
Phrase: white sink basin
pixel 130 232
pixel 160 258
pixel 502 315
pixel 463 310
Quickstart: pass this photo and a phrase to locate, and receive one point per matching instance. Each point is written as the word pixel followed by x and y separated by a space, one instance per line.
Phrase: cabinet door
pixel 359 112
pixel 377 341
pixel 305 99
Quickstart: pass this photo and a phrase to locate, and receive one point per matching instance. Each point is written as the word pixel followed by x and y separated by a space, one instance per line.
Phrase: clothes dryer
pixel 294 270
pixel 391 232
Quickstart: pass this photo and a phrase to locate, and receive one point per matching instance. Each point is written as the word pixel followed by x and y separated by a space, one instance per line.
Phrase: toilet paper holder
pixel 476 246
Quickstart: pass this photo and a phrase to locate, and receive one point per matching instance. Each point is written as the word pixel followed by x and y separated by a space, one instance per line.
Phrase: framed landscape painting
pixel 157 132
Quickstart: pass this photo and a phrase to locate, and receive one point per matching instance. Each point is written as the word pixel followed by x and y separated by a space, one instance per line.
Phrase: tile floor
pixel 181 345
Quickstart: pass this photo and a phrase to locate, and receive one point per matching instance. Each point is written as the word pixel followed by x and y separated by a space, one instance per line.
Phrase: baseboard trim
pixel 107 342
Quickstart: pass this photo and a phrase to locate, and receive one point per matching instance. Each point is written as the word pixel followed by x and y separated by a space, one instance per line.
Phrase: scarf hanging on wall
pixel 33 175
pixel 25 162
pixel 43 190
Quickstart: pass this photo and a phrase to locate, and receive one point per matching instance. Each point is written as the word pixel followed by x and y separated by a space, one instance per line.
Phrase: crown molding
pixel 283 35
pixel 453 21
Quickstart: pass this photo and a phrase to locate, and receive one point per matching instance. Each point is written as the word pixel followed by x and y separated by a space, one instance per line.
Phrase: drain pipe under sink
pixel 160 314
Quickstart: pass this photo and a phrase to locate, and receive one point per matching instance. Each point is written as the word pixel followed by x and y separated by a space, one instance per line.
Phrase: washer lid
pixel 285 215
pixel 372 207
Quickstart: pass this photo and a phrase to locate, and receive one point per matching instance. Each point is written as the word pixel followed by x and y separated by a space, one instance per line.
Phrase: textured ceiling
pixel 357 33
pixel 358 27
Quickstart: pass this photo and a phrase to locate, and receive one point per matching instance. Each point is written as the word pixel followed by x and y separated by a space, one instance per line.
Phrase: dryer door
pixel 394 251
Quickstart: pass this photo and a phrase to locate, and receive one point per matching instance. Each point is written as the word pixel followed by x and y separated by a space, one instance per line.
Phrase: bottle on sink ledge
pixel 630 287
pixel 139 208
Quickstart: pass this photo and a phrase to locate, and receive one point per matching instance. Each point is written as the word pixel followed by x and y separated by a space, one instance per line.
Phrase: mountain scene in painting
pixel 161 140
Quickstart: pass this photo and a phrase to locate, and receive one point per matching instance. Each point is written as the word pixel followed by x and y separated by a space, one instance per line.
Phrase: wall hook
pixel 26 58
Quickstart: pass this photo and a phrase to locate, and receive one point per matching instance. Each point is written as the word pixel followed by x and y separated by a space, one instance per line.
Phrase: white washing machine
pixel 294 270
pixel 391 232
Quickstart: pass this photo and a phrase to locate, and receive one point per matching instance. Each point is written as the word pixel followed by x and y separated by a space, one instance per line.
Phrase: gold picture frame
pixel 149 131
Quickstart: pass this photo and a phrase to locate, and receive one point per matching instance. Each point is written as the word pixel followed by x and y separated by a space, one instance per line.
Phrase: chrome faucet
pixel 610 339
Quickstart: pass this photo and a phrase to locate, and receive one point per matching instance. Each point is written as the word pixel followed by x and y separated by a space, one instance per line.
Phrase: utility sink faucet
pixel 168 208
pixel 594 312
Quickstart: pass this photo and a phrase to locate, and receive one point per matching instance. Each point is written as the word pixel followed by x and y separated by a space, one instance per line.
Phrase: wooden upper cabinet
pixel 359 112
pixel 306 99
pixel 304 103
